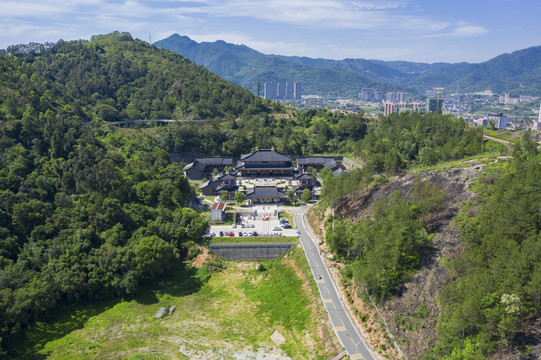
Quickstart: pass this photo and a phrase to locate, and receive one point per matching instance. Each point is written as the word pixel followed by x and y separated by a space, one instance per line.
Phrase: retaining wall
pixel 240 252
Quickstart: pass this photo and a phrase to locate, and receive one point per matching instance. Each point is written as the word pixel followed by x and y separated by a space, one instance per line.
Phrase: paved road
pixel 342 323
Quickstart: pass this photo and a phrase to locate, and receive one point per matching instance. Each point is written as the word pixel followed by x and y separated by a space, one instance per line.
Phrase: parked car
pixel 231 233
pixel 245 233
pixel 234 226
pixel 221 233
pixel 252 226
pixel 284 220
pixel 287 226
pixel 250 233
pixel 240 233
pixel 243 226
pixel 255 233
pixel 276 228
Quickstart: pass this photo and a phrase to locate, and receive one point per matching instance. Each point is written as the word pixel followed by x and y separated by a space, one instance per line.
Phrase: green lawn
pixel 233 313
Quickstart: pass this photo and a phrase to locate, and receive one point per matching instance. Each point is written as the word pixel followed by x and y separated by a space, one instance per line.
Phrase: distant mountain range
pixel 517 73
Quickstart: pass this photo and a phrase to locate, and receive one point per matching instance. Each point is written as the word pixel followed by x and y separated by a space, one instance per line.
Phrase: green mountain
pixel 516 73
pixel 247 67
pixel 114 77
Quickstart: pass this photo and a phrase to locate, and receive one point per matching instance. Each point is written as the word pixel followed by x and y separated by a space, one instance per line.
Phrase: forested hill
pixel 89 212
pixel 517 73
pixel 451 254
pixel 247 67
pixel 114 77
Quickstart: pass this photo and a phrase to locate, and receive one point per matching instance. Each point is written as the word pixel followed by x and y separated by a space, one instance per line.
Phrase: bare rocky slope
pixel 412 315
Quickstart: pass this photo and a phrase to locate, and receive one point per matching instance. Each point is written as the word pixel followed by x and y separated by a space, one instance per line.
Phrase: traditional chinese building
pixel 265 163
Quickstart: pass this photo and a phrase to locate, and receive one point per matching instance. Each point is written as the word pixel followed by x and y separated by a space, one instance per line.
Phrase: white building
pixel 217 211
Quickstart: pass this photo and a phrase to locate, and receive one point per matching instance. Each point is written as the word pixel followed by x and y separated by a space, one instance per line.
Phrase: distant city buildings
pixel 512 101
pixel 371 95
pixel 433 105
pixel 396 96
pixel 536 125
pixel 366 94
pixel 498 120
pixel 389 108
pixel 395 107
pixel 282 90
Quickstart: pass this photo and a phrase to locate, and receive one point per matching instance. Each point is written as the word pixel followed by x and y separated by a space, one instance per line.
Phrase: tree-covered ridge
pixel 517 73
pixel 247 67
pixel 307 132
pixel 492 302
pixel 396 142
pixel 114 77
pixel 496 291
pixel 383 250
pixel 85 213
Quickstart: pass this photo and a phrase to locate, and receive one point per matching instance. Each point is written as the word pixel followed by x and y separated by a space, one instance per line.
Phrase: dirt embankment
pixel 412 315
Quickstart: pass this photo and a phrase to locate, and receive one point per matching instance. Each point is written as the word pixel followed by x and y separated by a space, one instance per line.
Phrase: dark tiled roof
pixel 256 167
pixel 265 191
pixel 327 161
pixel 225 177
pixel 310 160
pixel 264 155
pixel 195 165
pixel 305 176
pixel 210 183
pixel 215 161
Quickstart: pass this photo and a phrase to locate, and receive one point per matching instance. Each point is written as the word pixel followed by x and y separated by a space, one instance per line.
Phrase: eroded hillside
pixel 413 312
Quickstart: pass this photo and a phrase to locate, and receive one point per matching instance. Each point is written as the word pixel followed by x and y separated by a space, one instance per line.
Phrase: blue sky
pixel 412 30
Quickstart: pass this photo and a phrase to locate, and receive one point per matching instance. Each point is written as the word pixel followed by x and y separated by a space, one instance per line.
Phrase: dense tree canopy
pixel 114 77
pixel 85 213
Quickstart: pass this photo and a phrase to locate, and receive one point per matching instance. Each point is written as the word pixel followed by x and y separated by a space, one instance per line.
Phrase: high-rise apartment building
pixel 498 119
pixel 366 94
pixel 269 90
pixel 390 107
pixel 297 91
pixel 391 96
pixel 290 91
pixel 281 90
pixel 433 105
pixel 378 95
pixel 401 96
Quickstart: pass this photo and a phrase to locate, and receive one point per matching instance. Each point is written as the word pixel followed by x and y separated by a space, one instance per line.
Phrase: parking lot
pixel 249 226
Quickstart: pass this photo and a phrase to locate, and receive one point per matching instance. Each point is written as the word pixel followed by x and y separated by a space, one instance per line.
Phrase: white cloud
pixel 321 14
pixel 461 30
pixel 468 30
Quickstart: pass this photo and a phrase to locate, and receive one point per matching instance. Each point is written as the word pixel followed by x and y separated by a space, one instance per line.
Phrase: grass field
pixel 236 313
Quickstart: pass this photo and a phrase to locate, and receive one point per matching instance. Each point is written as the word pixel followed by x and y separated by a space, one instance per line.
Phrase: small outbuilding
pixel 217 211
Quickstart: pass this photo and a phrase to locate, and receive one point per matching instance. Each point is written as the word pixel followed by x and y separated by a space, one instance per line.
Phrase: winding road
pixel 343 325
